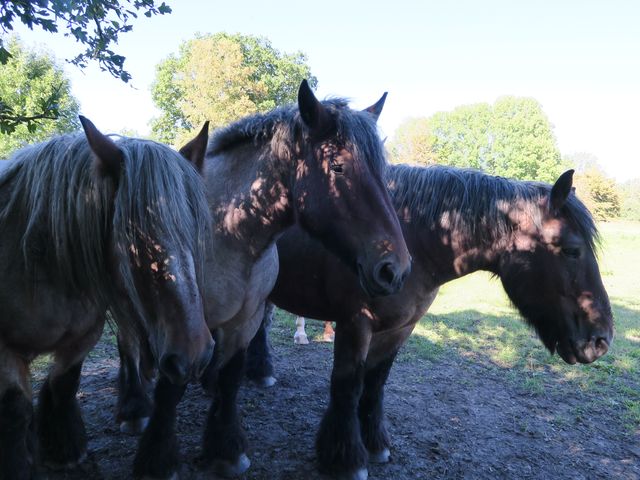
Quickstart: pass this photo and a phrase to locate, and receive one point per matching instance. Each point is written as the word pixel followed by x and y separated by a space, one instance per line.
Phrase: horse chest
pixel 236 291
pixel 46 318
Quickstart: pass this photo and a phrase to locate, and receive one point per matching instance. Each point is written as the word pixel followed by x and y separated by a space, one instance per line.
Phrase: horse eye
pixel 337 168
pixel 571 252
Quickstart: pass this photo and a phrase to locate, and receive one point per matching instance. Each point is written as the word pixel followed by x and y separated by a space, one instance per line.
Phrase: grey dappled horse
pixel 317 164
pixel 89 225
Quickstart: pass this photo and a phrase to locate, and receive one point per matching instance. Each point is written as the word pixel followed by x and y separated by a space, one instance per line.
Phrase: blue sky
pixel 580 59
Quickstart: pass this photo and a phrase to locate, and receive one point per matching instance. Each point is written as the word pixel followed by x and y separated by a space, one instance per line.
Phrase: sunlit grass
pixel 473 316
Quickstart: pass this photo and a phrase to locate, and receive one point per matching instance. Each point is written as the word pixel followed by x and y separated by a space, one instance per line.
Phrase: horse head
pixel 159 223
pixel 339 195
pixel 550 273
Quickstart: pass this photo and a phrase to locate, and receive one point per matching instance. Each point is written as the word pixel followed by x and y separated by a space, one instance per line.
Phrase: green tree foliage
pixel 221 78
pixel 30 82
pixel 94 24
pixel 414 143
pixel 630 199
pixel 511 138
pixel 598 192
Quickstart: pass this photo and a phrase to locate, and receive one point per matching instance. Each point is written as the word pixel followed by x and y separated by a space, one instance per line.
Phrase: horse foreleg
pixel 329 335
pixel 382 353
pixel 134 405
pixel 372 425
pixel 224 442
pixel 300 337
pixel 339 445
pixel 259 358
pixel 63 439
pixel 61 432
pixel 158 453
pixel 18 448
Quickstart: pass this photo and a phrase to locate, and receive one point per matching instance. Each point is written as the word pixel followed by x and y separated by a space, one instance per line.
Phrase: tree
pixel 414 143
pixel 94 24
pixel 462 136
pixel 28 83
pixel 221 78
pixel 511 138
pixel 630 199
pixel 598 192
pixel 522 144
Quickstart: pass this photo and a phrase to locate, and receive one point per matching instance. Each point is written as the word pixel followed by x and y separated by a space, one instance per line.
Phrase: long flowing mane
pixel 68 214
pixel 282 129
pixel 476 204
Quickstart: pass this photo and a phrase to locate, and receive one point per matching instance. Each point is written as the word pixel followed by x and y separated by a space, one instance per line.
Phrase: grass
pixel 472 317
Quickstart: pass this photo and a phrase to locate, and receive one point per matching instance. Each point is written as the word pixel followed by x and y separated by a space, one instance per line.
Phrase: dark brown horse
pixel 319 164
pixel 89 225
pixel 538 239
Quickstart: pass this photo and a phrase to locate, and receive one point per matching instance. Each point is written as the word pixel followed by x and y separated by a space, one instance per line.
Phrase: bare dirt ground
pixel 453 418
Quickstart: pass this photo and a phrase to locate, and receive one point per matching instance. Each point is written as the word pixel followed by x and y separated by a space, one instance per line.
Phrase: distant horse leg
pixel 339 446
pixel 224 442
pixel 18 447
pixel 329 335
pixel 300 337
pixel 61 432
pixel 134 405
pixel 259 358
pixel 158 452
pixel 372 425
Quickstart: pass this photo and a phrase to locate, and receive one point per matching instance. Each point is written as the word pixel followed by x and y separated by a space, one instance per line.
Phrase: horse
pixel 316 164
pixel 540 240
pixel 90 225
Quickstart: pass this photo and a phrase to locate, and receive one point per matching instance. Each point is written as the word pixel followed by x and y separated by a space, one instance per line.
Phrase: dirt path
pixel 450 419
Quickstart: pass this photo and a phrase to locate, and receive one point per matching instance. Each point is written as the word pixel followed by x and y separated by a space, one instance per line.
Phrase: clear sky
pixel 579 59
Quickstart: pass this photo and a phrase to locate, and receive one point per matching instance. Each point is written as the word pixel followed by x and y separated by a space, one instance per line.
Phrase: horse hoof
pixel 360 474
pixel 134 427
pixel 229 470
pixel 301 339
pixel 380 457
pixel 266 382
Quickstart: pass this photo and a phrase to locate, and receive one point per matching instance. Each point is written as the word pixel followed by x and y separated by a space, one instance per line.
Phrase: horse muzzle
pixel 178 368
pixel 585 352
pixel 385 278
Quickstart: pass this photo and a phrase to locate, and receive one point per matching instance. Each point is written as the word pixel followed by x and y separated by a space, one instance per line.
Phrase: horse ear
pixel 195 150
pixel 314 115
pixel 109 156
pixel 561 190
pixel 376 108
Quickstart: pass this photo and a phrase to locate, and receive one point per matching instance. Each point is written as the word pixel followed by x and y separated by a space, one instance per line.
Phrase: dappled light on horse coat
pixel 317 164
pixel 90 225
pixel 540 240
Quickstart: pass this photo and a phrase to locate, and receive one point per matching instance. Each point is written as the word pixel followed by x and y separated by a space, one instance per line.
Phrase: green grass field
pixel 472 317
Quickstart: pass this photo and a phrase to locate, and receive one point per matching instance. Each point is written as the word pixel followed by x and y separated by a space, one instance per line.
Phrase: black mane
pixel 476 204
pixel 282 129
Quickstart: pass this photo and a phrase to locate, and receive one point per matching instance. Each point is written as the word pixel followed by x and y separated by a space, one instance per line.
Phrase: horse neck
pixel 249 195
pixel 448 250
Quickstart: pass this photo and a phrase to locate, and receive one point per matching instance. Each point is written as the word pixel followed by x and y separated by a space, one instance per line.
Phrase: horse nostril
pixel 385 275
pixel 175 367
pixel 601 346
